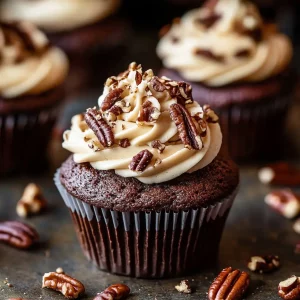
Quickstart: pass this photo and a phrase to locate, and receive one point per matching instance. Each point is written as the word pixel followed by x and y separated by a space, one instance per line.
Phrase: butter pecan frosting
pixel 145 127
pixel 29 65
pixel 58 15
pixel 224 42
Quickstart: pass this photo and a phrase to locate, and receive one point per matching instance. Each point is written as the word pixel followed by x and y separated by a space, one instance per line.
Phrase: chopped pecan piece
pixel 242 53
pixel 181 91
pixel 290 288
pixel 210 55
pixel 112 97
pixel 209 20
pixel 157 85
pixel 158 145
pixel 17 234
pixel 229 285
pixel 124 143
pixel 138 78
pixel 99 126
pixel 141 161
pixel 71 288
pixel 209 115
pixel 186 127
pixel 184 287
pixel 148 113
pixel 264 264
pixel 114 292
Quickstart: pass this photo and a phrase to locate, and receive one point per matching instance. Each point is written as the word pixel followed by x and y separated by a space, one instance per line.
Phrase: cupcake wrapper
pixel 256 130
pixel 149 245
pixel 24 139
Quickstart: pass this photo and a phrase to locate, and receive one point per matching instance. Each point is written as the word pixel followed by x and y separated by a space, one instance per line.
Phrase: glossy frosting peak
pixel 145 127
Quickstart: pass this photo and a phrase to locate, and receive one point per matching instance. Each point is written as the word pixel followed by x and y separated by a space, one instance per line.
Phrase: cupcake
pixel 238 65
pixel 147 187
pixel 32 73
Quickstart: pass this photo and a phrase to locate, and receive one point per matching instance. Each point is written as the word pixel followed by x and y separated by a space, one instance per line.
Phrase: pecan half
pixel 209 54
pixel 99 126
pixel 186 127
pixel 114 292
pixel 158 145
pixel 17 234
pixel 290 288
pixel 141 161
pixel 264 264
pixel 280 173
pixel 71 288
pixel 184 287
pixel 148 113
pixel 112 97
pixel 124 143
pixel 229 285
pixel 285 202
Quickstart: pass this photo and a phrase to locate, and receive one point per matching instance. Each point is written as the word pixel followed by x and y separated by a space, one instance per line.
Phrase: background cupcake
pixel 238 65
pixel 32 73
pixel 146 185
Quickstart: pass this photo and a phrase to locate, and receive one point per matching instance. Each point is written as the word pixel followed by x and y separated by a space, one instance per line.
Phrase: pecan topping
pixel 242 53
pixel 68 286
pixel 184 287
pixel 285 202
pixel 264 264
pixel 114 292
pixel 210 55
pixel 148 113
pixel 138 78
pixel 158 145
pixel 290 288
pixel 209 20
pixel 281 173
pixel 229 285
pixel 182 91
pixel 186 127
pixel 113 112
pixel 242 28
pixel 157 85
pixel 32 201
pixel 17 234
pixel 209 114
pixel 99 126
pixel 124 143
pixel 112 97
pixel 141 161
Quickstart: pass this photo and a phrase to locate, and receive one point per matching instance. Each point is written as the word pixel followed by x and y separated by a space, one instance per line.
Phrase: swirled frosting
pixel 28 64
pixel 145 127
pixel 58 15
pixel 224 42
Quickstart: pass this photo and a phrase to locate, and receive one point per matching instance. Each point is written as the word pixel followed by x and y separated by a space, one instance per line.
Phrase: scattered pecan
pixel 285 202
pixel 157 85
pixel 99 126
pixel 148 113
pixel 32 201
pixel 140 161
pixel 181 91
pixel 184 287
pixel 186 127
pixel 158 145
pixel 124 143
pixel 209 20
pixel 229 285
pixel 71 288
pixel 290 288
pixel 209 54
pixel 264 264
pixel 242 53
pixel 296 226
pixel 280 173
pixel 113 112
pixel 17 234
pixel 138 78
pixel 112 97
pixel 114 292
pixel 209 115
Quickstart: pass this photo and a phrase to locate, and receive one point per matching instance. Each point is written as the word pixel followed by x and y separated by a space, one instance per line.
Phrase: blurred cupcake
pixel 32 73
pixel 147 187
pixel 238 65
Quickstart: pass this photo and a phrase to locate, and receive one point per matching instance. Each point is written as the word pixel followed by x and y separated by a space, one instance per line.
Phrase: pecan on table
pixel 100 127
pixel 17 234
pixel 114 292
pixel 71 288
pixel 140 161
pixel 289 289
pixel 186 127
pixel 184 287
pixel 229 285
pixel 264 264
pixel 112 97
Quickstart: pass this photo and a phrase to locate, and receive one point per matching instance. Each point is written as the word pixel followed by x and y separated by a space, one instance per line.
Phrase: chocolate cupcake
pixel 32 74
pixel 147 187
pixel 238 65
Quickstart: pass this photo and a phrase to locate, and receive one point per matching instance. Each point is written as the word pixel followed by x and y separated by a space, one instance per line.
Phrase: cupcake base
pixel 148 244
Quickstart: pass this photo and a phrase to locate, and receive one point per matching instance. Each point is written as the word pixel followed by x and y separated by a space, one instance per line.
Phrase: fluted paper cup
pixel 153 244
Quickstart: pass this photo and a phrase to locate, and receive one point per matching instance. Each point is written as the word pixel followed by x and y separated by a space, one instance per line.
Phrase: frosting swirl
pixel 224 42
pixel 146 127
pixel 28 64
pixel 58 15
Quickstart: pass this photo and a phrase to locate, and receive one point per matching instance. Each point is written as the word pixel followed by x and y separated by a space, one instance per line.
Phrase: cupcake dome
pixel 147 179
